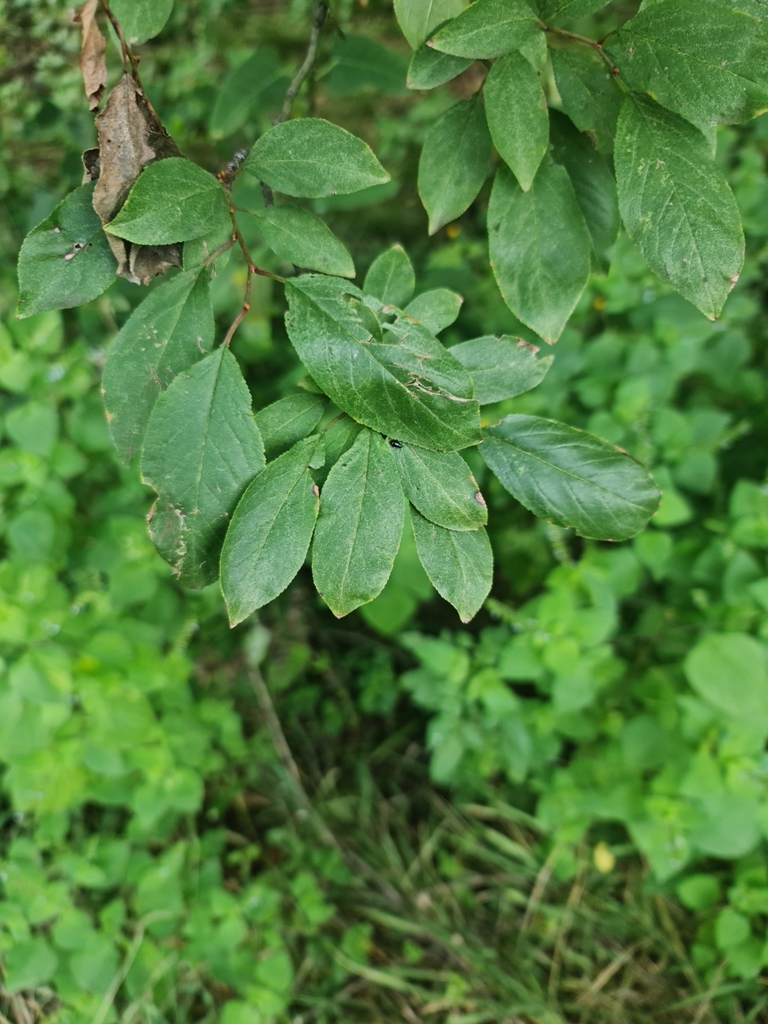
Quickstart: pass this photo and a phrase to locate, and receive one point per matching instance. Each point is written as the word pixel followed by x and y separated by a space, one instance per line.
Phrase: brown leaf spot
pixel 479 498
pixel 93 66
pixel 522 343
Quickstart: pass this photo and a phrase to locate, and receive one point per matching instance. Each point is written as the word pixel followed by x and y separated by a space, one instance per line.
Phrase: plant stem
pixel 318 19
pixel 584 40
pixel 128 56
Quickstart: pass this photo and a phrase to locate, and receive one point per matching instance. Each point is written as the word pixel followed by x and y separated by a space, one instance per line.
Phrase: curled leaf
pixel 92 63
pixel 131 136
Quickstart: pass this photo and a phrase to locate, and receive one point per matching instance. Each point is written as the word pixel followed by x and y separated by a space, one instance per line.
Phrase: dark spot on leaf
pixel 395 444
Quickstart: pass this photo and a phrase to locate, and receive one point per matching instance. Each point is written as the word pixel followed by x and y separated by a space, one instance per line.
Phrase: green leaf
pixel 417 18
pixel 66 259
pixel 390 277
pixel 593 183
pixel 310 157
pixel 289 420
pixel 302 238
pixel 361 63
pixel 559 11
pixel 501 367
pixel 251 88
pixel 516 109
pixel 430 68
pixel 173 200
pixel 170 331
pixel 362 509
pixel 676 205
pixel 459 563
pixel 436 309
pixel 140 20
pixel 339 436
pixel 404 385
pixel 571 478
pixel 488 28
pixel 728 671
pixel 29 964
pixel 441 487
pixel 454 161
pixel 710 65
pixel 201 448
pixel 269 536
pixel 540 247
pixel 590 96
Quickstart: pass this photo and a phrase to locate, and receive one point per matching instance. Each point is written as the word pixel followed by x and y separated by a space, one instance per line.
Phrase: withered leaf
pixel 92 63
pixel 130 137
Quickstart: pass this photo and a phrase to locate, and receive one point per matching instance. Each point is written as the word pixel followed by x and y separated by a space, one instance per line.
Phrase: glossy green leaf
pixel 501 367
pixel 454 161
pixel 170 331
pixel 459 564
pixel 358 63
pixel 594 185
pixel 436 309
pixel 302 238
pixel 201 448
pixel 540 247
pixel 390 277
pixel 590 96
pixel 141 19
pixel 417 18
pixel 398 379
pixel 256 85
pixel 516 109
pixel 362 508
pixel 441 486
pixel 65 260
pixel 430 68
pixel 729 672
pixel 173 200
pixel 269 535
pixel 676 205
pixel 311 157
pixel 289 420
pixel 708 64
pixel 571 478
pixel 488 28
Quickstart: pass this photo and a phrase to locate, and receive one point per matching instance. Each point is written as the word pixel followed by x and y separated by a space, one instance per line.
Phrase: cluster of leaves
pixel 645 98
pixel 405 405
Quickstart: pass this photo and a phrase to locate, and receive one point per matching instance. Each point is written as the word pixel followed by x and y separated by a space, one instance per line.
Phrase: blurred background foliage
pixel 556 814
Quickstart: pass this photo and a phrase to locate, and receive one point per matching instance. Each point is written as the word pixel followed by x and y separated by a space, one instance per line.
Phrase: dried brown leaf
pixel 130 136
pixel 92 63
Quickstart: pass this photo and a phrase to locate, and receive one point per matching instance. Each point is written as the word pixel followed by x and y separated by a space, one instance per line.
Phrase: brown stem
pixel 128 56
pixel 222 248
pixel 243 310
pixel 584 40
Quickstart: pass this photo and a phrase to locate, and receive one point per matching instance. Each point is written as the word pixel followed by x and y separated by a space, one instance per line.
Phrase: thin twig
pixel 321 10
pixel 128 56
pixel 109 996
pixel 243 309
pixel 283 751
pixel 318 19
pixel 585 40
